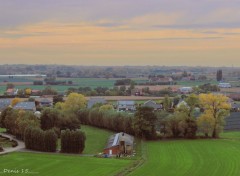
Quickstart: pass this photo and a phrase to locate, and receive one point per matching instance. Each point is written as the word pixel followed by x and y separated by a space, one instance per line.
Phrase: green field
pixel 219 157
pixel 77 82
pixel 196 83
pixel 96 139
pixel 60 165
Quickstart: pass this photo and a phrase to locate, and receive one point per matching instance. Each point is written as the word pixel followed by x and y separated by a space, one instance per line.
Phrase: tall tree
pixel 219 75
pixel 216 107
pixel 144 122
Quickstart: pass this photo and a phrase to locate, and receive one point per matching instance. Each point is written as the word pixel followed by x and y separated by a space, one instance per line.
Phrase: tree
pixel 106 107
pixel 219 75
pixel 144 123
pixel 49 91
pixel 206 124
pixel 57 98
pixel 49 118
pixel 74 103
pixel 216 108
pixel 28 91
pixel 50 141
pixel 15 101
pixel 10 86
pixel 72 141
pixel 167 103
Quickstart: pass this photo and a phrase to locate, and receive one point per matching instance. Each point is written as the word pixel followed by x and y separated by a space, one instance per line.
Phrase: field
pixel 22 83
pixel 193 157
pixel 60 165
pixel 96 139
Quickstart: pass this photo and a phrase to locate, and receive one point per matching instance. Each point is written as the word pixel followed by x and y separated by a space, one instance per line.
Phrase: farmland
pixel 50 164
pixel 193 157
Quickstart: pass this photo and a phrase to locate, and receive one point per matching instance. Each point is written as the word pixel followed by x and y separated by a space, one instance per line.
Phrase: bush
pixel 14 143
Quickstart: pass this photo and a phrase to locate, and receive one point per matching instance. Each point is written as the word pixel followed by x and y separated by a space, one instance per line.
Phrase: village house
pixel 96 100
pixel 27 106
pixel 126 105
pixel 44 102
pixel 152 104
pixel 11 91
pixel 120 144
pixel 185 90
pixel 136 92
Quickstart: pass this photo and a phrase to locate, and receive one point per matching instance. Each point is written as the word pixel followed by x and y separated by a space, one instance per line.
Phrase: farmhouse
pixel 120 143
pixel 153 105
pixel 224 85
pixel 96 100
pixel 44 102
pixel 137 92
pixel 11 92
pixel 185 90
pixel 27 106
pixel 126 106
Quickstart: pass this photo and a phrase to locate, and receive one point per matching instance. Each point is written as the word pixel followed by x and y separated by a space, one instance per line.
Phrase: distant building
pixel 161 81
pixel 126 105
pixel 11 92
pixel 27 106
pixel 120 143
pixel 136 92
pixel 4 103
pixel 44 102
pixel 224 85
pixel 153 105
pixel 185 90
pixel 96 100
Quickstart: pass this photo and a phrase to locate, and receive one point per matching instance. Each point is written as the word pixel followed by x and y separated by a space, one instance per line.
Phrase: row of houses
pixel 124 105
pixel 27 105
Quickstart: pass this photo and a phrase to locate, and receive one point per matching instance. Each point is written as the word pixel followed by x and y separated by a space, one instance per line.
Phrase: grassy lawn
pixel 96 139
pixel 60 165
pixel 193 157
pixel 2 130
pixel 5 143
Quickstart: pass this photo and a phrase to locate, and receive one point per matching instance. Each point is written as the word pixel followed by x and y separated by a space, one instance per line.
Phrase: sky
pixel 120 32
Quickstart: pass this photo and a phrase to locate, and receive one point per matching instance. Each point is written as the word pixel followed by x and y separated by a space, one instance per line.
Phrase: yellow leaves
pixel 28 91
pixel 206 123
pixel 15 101
pixel 211 101
pixel 106 107
pixel 73 103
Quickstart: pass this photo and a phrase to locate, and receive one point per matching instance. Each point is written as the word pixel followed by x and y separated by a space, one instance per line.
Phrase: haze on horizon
pixel 113 32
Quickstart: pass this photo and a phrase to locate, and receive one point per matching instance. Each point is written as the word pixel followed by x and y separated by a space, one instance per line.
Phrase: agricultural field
pixel 61 165
pixel 96 139
pixel 22 83
pixel 218 157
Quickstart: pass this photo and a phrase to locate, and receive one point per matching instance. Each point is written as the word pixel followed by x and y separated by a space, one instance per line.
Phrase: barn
pixel 120 144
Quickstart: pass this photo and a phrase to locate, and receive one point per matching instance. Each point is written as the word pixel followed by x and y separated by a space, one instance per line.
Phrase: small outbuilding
pixel 152 104
pixel 126 105
pixel 95 100
pixel 120 144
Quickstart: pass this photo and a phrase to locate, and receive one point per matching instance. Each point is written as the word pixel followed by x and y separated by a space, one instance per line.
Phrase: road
pixel 20 146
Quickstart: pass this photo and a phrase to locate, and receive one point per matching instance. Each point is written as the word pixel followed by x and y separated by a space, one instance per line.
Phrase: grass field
pixel 78 82
pixel 60 165
pixel 193 157
pixel 96 139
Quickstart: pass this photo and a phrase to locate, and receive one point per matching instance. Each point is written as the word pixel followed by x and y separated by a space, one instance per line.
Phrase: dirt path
pixel 20 146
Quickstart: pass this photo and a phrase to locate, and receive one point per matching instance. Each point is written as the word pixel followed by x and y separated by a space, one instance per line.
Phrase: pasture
pixel 60 165
pixel 220 157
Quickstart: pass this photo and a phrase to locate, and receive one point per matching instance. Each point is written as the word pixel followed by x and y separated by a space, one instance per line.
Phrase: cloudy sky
pixel 120 32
